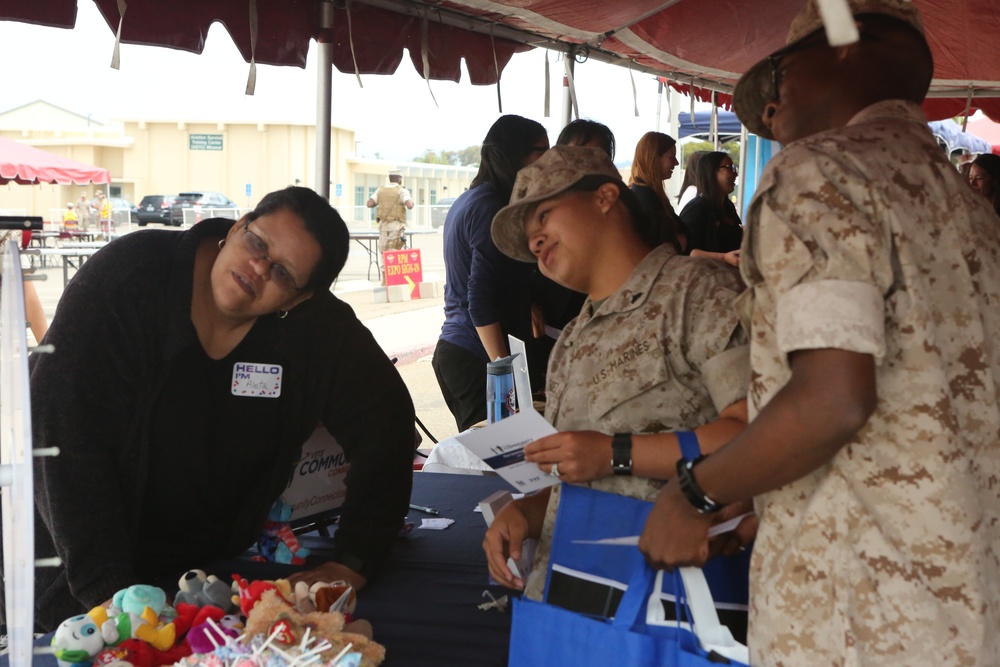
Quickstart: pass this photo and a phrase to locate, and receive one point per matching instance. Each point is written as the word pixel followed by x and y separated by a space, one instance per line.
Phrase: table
pixel 71 257
pixel 369 241
pixel 423 606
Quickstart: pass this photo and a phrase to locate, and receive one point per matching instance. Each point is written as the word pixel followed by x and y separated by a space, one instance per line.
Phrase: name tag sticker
pixel 250 379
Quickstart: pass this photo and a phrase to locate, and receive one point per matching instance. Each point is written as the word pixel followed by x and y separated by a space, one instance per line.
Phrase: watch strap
pixel 621 453
pixel 689 487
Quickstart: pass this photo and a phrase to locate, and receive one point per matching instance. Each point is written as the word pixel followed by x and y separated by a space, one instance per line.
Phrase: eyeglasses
pixel 257 249
pixel 778 72
pixel 730 167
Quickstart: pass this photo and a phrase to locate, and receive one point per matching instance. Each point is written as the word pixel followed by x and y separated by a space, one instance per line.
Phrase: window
pixel 434 196
pixel 359 195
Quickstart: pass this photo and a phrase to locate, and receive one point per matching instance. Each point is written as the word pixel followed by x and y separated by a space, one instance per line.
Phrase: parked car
pixel 118 208
pixel 439 211
pixel 200 201
pixel 155 208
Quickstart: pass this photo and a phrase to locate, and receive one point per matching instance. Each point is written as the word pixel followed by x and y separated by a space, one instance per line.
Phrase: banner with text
pixel 402 267
pixel 317 482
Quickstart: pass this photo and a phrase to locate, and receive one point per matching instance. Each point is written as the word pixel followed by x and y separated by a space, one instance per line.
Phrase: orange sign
pixel 402 267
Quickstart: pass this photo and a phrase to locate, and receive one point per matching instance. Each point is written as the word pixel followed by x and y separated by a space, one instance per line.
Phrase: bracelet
pixel 621 454
pixel 689 487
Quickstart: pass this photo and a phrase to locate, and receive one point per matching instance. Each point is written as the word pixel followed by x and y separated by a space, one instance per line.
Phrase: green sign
pixel 205 142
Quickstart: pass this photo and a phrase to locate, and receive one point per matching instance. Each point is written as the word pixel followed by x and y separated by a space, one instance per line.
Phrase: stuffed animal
pixel 273 615
pixel 197 588
pixel 117 627
pixel 77 641
pixel 323 596
pixel 251 591
pixel 135 599
pixel 276 542
pixel 205 637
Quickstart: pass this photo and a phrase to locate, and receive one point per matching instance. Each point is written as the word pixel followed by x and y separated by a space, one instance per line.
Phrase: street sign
pixel 340 189
pixel 249 189
pixel 403 267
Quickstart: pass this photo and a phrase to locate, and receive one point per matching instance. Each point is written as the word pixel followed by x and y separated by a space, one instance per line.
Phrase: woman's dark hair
pixel 690 170
pixel 507 145
pixel 321 220
pixel 652 232
pixel 991 165
pixel 707 182
pixel 581 132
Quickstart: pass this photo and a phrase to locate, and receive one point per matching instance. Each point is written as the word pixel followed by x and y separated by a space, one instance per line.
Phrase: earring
pixel 222 242
pixel 282 314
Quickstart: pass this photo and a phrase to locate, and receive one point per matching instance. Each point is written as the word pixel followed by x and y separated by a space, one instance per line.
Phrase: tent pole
pixel 324 103
pixel 742 185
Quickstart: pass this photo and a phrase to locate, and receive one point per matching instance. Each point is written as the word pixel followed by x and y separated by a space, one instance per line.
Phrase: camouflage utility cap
pixel 755 88
pixel 559 169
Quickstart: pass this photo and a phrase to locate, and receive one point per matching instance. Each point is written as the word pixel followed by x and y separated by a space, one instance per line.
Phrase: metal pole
pixel 324 103
pixel 659 101
pixel 744 172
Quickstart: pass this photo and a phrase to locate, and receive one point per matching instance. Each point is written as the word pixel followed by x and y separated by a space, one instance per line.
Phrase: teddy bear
pixel 273 615
pixel 77 641
pixel 197 588
pixel 249 592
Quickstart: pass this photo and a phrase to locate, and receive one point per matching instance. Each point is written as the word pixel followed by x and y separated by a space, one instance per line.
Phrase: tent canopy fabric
pixel 988 130
pixel 28 165
pixel 703 45
pixel 728 124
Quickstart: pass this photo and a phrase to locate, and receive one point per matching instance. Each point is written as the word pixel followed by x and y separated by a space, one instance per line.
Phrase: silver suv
pixel 201 205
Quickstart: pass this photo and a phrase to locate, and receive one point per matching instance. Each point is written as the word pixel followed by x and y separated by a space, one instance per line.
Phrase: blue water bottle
pixel 500 400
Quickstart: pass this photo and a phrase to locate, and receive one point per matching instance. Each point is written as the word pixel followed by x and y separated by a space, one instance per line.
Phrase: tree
pixel 464 157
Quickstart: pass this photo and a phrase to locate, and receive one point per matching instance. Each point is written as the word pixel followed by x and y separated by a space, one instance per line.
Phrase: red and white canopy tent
pixel 28 165
pixel 699 45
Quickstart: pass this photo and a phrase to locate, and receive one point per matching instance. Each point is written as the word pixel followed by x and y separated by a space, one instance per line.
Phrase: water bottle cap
pixel 501 366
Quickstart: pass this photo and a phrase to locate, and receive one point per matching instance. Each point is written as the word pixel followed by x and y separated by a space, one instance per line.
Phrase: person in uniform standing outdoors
pixel 83 212
pixel 657 347
pixel 392 201
pixel 872 453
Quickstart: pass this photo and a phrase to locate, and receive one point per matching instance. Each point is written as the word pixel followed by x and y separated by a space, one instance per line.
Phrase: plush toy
pixel 276 542
pixel 76 641
pixel 136 653
pixel 273 615
pixel 205 637
pixel 135 599
pixel 323 596
pixel 251 591
pixel 197 588
pixel 117 627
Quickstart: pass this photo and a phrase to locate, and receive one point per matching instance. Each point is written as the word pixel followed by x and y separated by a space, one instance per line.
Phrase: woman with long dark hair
pixel 654 162
pixel 710 220
pixel 984 177
pixel 487 295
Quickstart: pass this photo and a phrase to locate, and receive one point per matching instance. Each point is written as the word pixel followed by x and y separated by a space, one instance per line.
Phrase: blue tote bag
pixel 628 624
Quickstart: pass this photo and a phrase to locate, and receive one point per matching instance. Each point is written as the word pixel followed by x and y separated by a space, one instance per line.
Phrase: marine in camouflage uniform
pixel 663 353
pixel 392 201
pixel 873 276
pixel 889 553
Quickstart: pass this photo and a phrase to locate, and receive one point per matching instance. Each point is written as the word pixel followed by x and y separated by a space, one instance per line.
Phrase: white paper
pixel 633 540
pixel 501 447
pixel 435 524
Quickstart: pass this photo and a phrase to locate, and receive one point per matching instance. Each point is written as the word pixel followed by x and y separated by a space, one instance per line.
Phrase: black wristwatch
pixel 690 488
pixel 621 454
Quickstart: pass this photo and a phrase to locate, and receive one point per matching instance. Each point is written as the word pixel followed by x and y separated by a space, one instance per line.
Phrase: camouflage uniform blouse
pixel 866 239
pixel 664 352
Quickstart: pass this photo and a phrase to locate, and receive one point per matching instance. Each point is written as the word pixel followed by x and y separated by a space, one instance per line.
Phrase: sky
pixel 71 68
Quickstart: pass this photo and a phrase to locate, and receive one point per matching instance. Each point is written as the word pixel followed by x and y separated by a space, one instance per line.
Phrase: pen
pixel 428 510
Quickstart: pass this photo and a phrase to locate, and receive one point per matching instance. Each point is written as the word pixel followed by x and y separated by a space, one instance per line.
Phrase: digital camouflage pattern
pixel 390 201
pixel 665 352
pixel 867 239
